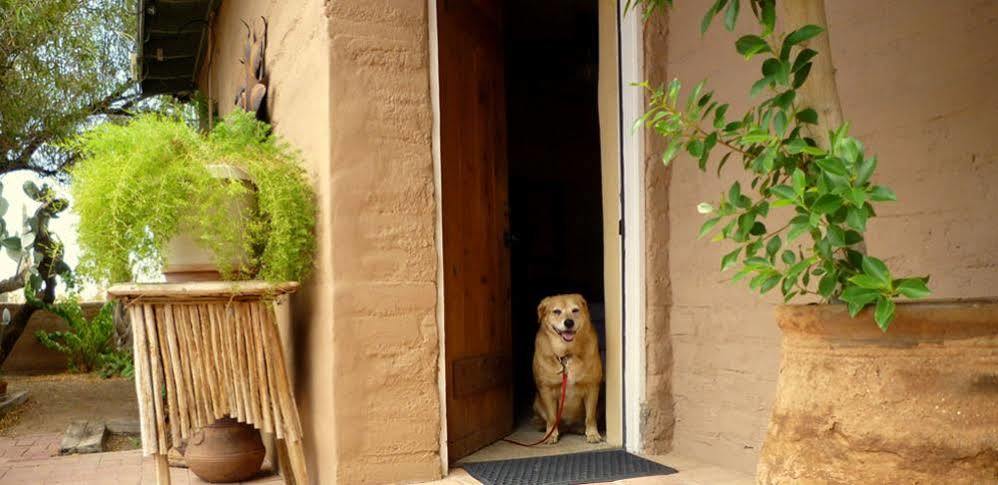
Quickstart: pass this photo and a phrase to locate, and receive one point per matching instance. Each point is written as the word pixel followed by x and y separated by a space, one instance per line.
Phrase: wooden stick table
pixel 206 350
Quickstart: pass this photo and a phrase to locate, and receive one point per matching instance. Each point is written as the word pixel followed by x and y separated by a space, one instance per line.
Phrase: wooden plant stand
pixel 206 350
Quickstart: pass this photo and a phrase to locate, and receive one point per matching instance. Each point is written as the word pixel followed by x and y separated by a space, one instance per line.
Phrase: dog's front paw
pixel 552 439
pixel 593 436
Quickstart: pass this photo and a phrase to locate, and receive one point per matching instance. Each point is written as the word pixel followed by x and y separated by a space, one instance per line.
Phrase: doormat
pixel 588 467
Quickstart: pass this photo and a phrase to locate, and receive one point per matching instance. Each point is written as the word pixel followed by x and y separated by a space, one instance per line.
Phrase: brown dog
pixel 566 335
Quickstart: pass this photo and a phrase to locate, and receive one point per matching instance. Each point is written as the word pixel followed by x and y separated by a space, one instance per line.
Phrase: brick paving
pixel 34 460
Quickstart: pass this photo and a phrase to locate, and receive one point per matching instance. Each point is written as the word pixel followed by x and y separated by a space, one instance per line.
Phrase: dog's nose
pixel 569 323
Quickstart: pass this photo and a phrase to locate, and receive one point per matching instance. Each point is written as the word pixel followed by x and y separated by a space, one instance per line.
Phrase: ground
pixel 31 433
pixel 55 400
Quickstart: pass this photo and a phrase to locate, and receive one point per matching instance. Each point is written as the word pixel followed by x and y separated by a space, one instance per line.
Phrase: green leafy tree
pixel 88 344
pixel 64 65
pixel 62 62
pixel 794 159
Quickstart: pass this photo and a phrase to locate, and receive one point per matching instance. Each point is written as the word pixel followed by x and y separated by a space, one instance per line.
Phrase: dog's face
pixel 563 315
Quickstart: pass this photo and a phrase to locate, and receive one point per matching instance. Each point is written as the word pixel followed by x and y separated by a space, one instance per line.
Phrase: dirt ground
pixel 56 400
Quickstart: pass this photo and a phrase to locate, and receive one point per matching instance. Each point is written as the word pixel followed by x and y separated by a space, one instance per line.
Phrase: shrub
pixel 87 344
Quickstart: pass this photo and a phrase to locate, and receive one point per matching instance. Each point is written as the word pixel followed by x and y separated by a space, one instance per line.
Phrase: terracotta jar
pixel 224 452
pixel 917 404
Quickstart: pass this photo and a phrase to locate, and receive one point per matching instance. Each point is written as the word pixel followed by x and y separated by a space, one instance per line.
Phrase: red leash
pixel 557 417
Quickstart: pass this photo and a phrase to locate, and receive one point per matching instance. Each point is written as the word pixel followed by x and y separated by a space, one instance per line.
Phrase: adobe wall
pixel 29 355
pixel 383 221
pixel 298 103
pixel 916 79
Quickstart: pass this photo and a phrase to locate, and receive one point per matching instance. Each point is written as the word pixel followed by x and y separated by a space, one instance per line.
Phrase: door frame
pixel 620 58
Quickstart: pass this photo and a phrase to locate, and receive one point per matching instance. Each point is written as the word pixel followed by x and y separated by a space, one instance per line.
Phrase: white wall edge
pixel 431 13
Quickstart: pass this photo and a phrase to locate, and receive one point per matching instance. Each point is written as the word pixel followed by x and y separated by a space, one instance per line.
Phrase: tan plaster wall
pixel 916 78
pixel 298 102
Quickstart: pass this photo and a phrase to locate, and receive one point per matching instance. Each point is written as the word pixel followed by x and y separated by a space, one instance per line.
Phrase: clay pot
pixel 226 451
pixel 914 405
pixel 186 259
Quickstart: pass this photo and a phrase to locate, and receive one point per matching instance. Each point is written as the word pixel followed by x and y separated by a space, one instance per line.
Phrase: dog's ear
pixel 582 301
pixel 542 309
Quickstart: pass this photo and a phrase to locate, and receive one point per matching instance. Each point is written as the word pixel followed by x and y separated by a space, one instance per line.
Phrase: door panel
pixel 478 340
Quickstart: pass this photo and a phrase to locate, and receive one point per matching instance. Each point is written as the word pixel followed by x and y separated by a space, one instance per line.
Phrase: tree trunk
pixel 820 91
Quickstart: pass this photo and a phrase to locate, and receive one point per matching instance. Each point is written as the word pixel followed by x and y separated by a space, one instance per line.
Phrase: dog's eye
pixel 575 310
pixel 557 311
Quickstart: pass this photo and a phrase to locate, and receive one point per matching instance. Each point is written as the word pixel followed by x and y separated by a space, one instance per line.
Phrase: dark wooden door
pixel 474 177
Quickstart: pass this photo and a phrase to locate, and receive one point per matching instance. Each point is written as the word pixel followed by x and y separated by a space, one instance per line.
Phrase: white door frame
pixel 633 200
pixel 630 181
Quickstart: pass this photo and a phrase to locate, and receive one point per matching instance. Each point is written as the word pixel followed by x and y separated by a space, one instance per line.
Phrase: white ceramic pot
pixel 186 259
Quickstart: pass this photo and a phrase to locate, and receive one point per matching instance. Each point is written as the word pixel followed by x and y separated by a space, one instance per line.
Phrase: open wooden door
pixel 478 340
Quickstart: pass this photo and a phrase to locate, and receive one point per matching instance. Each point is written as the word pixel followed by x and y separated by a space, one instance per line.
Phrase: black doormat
pixel 588 467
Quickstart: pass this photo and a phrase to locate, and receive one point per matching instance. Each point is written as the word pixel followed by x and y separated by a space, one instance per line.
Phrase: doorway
pixel 523 173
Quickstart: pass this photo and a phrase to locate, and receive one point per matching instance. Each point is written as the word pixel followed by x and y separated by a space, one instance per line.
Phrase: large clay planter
pixel 918 404
pixel 186 260
pixel 224 452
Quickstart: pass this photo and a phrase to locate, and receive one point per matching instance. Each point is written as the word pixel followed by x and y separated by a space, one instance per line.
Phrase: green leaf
pixel 719 116
pixel 785 99
pixel 769 283
pixel 802 34
pixel 707 226
pixel 803 58
pixel 750 45
pixel 834 166
pixel 671 151
pixel 859 295
pixel 827 204
pixel 796 229
pixel 881 194
pixel 877 269
pixel 780 123
pixel 913 288
pixel 884 313
pixel 773 246
pixel 768 16
pixel 789 257
pixel 827 285
pixel 731 15
pixel 695 147
pixel 799 181
pixel 857 196
pixel 801 76
pixel 865 170
pixel 784 191
pixel 809 116
pixel 692 98
pixel 836 236
pixel 729 260
pixel 735 192
pixel 866 281
pixel 759 85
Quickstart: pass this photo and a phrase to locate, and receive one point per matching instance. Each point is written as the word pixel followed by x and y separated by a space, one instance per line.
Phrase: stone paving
pixel 34 460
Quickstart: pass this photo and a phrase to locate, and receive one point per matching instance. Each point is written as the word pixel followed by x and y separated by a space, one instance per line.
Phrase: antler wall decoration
pixel 254 89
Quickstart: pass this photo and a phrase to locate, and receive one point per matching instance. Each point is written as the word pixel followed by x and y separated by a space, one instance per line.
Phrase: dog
pixel 566 339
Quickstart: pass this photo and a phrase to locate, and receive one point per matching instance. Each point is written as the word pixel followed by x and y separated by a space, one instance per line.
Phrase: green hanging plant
pixel 138 184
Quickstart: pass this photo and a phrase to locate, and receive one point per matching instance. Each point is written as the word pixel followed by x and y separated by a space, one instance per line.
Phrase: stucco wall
pixel 383 220
pixel 298 103
pixel 916 79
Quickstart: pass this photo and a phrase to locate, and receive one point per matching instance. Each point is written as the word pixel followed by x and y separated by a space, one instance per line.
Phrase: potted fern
pixel 869 390
pixel 154 195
